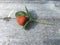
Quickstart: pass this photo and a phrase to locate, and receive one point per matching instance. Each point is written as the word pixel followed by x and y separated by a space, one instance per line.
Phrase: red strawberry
pixel 21 20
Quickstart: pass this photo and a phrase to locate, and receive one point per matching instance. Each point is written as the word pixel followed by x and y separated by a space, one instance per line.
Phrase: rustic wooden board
pixel 37 34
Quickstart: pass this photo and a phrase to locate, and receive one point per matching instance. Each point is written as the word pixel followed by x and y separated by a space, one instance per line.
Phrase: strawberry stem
pixel 44 22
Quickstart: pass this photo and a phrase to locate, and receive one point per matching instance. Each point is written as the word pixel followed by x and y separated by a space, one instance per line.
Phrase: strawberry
pixel 21 20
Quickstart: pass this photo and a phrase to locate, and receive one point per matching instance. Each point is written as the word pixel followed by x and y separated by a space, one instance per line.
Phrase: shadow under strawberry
pixel 34 16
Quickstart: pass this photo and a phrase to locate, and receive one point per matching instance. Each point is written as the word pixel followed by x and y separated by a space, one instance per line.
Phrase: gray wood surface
pixel 37 34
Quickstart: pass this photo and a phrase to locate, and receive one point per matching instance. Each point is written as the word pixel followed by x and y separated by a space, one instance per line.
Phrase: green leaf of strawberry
pixel 20 13
pixel 27 12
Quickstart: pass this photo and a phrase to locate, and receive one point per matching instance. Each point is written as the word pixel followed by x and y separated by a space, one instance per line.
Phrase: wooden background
pixel 36 34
